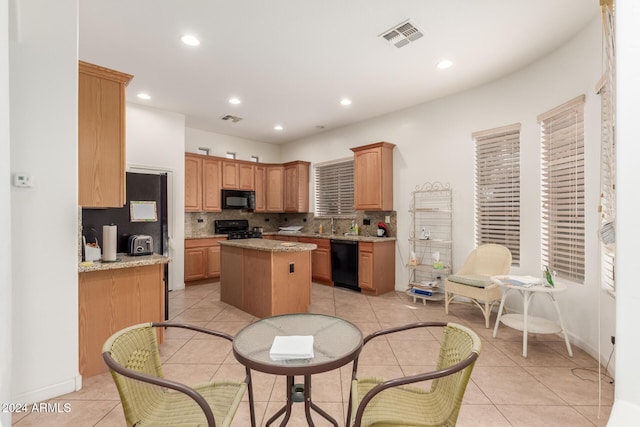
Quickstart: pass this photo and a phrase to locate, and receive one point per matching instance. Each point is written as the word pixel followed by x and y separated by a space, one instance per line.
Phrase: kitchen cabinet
pixel 237 175
pixel 376 267
pixel 259 178
pixel 296 186
pixel 211 185
pixel 373 177
pixel 274 186
pixel 110 300
pixel 320 260
pixel 202 183
pixel 192 183
pixel 101 136
pixel 201 259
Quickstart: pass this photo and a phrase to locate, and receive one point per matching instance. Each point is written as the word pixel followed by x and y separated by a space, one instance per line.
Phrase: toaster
pixel 140 244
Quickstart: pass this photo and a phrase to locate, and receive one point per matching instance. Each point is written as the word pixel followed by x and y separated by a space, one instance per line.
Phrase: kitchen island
pixel 114 295
pixel 266 277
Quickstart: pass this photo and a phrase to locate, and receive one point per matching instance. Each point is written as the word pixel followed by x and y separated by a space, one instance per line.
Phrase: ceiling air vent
pixel 402 34
pixel 234 119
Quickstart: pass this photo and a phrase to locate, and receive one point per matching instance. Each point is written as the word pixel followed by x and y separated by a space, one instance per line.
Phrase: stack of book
pixel 521 281
pixel 424 288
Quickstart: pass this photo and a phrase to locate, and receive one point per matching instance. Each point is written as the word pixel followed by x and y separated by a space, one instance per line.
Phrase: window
pixel 497 188
pixel 562 133
pixel 608 153
pixel 334 188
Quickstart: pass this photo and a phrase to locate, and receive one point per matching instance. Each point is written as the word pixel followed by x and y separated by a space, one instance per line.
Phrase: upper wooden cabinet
pixel 296 186
pixel 373 177
pixel 202 176
pixel 274 184
pixel 237 175
pixel 101 136
pixel 259 181
pixel 192 182
pixel 278 187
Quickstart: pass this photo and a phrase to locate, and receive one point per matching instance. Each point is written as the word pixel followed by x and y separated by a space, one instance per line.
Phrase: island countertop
pixel 269 245
pixel 124 261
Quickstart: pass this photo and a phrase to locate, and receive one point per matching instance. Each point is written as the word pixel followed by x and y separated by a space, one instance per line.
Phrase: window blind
pixel 562 135
pixel 608 148
pixel 334 189
pixel 497 188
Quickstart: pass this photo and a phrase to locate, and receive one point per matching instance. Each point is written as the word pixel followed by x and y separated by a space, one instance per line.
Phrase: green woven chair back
pixel 136 348
pixel 458 342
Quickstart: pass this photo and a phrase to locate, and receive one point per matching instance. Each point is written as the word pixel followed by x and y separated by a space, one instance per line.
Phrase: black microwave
pixel 237 199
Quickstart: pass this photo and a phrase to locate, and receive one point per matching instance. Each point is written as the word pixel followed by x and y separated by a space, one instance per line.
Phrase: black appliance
pixel 235 199
pixel 140 187
pixel 236 229
pixel 344 264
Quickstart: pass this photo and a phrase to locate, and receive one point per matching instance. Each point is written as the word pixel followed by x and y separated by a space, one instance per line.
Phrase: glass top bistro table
pixel 336 342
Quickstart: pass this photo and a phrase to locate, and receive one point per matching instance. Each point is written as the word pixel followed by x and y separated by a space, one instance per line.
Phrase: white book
pixel 292 347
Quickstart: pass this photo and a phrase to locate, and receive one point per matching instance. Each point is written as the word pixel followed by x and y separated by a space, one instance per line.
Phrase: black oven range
pixel 236 229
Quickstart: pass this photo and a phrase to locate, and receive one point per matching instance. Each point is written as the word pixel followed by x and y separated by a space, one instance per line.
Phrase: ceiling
pixel 290 62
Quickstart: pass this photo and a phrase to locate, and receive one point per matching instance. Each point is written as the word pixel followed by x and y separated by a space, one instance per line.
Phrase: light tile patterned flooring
pixel 548 388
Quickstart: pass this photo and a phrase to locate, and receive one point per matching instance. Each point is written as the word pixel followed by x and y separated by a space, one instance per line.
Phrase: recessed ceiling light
pixel 444 64
pixel 345 101
pixel 190 40
pixel 144 96
pixel 234 101
pixel 278 127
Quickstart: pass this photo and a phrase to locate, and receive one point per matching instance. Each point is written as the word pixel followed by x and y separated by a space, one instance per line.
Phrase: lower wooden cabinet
pixel 376 267
pixel 201 259
pixel 320 260
pixel 110 300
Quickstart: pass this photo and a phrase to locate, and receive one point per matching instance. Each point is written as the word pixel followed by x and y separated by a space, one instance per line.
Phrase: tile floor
pixel 547 389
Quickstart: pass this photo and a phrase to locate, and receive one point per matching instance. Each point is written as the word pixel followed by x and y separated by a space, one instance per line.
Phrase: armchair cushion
pixel 477 280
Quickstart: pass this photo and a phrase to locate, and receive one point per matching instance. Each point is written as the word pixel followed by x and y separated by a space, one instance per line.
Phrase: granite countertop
pixel 269 245
pixel 308 235
pixel 124 261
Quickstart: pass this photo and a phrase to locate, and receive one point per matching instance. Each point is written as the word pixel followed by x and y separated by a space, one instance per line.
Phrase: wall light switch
pixel 22 180
pixel 387 219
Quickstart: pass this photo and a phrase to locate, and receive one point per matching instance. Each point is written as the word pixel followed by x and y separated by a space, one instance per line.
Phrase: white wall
pixel 219 145
pixel 5 217
pixel 434 144
pixel 44 219
pixel 626 409
pixel 156 140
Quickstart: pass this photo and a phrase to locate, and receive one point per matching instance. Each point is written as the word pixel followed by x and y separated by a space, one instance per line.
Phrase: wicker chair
pixel 472 281
pixel 393 403
pixel 149 399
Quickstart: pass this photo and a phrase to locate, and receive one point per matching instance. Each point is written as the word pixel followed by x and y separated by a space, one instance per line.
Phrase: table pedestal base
pixel 292 396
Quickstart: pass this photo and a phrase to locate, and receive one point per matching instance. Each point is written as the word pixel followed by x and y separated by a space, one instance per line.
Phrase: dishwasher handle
pixel 344 242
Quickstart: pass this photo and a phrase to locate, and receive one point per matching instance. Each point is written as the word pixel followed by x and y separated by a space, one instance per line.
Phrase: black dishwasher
pixel 344 264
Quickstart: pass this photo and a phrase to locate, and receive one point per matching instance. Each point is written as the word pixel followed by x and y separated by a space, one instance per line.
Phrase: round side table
pixel 524 322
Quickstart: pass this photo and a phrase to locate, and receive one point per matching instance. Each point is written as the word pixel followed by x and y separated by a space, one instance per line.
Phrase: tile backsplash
pixel 200 224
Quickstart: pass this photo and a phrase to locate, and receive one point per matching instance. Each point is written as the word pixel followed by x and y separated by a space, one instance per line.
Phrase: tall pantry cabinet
pixel 101 136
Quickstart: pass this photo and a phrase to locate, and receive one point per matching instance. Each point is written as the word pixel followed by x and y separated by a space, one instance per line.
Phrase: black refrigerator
pixel 139 187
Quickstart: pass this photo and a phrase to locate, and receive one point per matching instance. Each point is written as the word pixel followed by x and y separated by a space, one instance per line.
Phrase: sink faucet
pixel 333 229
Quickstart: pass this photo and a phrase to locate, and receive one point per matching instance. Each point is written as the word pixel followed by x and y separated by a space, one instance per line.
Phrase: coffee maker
pixel 383 230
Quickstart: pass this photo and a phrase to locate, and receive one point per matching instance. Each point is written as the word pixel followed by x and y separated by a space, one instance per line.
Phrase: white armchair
pixel 472 281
